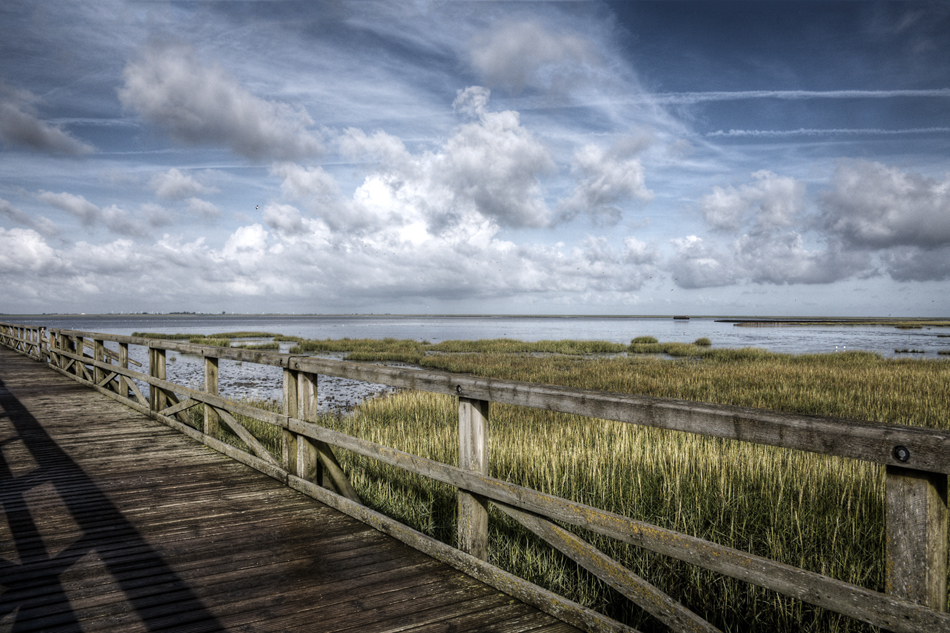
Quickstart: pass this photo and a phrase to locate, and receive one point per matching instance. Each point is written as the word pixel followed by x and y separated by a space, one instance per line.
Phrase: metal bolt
pixel 901 453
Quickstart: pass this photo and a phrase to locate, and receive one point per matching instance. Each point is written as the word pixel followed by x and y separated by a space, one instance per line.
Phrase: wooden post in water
pixel 210 426
pixel 916 507
pixel 473 509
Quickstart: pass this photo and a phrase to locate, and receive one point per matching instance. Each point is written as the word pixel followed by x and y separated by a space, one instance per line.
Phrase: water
pixel 255 381
pixel 790 340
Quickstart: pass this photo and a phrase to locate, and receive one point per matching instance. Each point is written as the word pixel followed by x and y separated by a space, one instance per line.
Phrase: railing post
pixel 98 355
pixel 308 464
pixel 288 440
pixel 473 509
pixel 210 426
pixel 124 364
pixel 156 369
pixel 916 507
pixel 70 343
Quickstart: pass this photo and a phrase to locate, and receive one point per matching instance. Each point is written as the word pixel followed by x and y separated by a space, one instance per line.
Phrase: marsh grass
pixel 513 346
pixel 260 346
pixel 820 513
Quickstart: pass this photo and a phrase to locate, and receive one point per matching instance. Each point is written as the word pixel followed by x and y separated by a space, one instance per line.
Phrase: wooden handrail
pixel 917 460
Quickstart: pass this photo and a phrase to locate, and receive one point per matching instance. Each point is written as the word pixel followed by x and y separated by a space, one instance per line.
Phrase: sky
pixel 416 157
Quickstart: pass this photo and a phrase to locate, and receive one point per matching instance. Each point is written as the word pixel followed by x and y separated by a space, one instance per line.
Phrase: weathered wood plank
pixel 473 456
pixel 638 590
pixel 917 536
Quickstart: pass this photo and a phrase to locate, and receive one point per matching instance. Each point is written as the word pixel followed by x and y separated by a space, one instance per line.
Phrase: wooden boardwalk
pixel 112 521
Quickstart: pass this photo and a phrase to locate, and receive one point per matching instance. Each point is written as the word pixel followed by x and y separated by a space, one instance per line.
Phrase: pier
pixel 114 521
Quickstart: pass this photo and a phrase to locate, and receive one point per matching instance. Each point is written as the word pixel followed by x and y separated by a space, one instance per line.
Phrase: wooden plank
pixel 639 591
pixel 252 442
pixel 558 606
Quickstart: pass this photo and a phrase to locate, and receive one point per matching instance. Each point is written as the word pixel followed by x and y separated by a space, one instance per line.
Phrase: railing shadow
pixel 34 592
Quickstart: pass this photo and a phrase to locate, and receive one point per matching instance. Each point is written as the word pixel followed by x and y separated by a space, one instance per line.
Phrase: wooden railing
pixel 917 463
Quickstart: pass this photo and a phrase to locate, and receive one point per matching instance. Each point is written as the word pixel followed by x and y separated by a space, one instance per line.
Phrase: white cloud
pixel 119 220
pixel 203 208
pixel 517 55
pixel 204 105
pixel 173 184
pixel 40 224
pixel 284 218
pixel 496 164
pixel 78 206
pixel 907 263
pixel 771 201
pixel 870 205
pixel 20 125
pixel 699 264
pixel 472 102
pixel 24 251
pixel 605 179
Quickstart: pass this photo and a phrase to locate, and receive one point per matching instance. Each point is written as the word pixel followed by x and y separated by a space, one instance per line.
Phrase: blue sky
pixel 749 158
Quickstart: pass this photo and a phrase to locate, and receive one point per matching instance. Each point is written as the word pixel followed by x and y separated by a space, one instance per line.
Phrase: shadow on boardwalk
pixel 33 588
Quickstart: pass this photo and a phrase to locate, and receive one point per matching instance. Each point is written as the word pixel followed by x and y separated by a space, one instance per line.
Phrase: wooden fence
pixel 917 463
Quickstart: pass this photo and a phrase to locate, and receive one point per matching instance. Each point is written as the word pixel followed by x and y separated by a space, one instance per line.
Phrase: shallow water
pixel 259 382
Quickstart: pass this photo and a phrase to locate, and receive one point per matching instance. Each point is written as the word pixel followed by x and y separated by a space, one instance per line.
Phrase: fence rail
pixel 917 463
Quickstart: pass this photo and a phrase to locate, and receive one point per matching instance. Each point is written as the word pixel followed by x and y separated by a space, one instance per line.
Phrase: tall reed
pixel 820 513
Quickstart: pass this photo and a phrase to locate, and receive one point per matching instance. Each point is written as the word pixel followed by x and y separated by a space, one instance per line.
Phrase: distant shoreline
pixel 786 320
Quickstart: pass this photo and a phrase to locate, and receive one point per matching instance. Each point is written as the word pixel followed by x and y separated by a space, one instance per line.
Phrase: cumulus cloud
pixel 907 263
pixel 472 102
pixel 604 180
pixel 770 243
pixel 902 218
pixel 770 201
pixel 701 264
pixel 40 224
pixel 25 251
pixel 173 184
pixel 490 170
pixel 870 205
pixel 782 257
pixel 495 163
pixel 203 208
pixel 284 218
pixel 119 220
pixel 518 55
pixel 200 104
pixel 20 125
